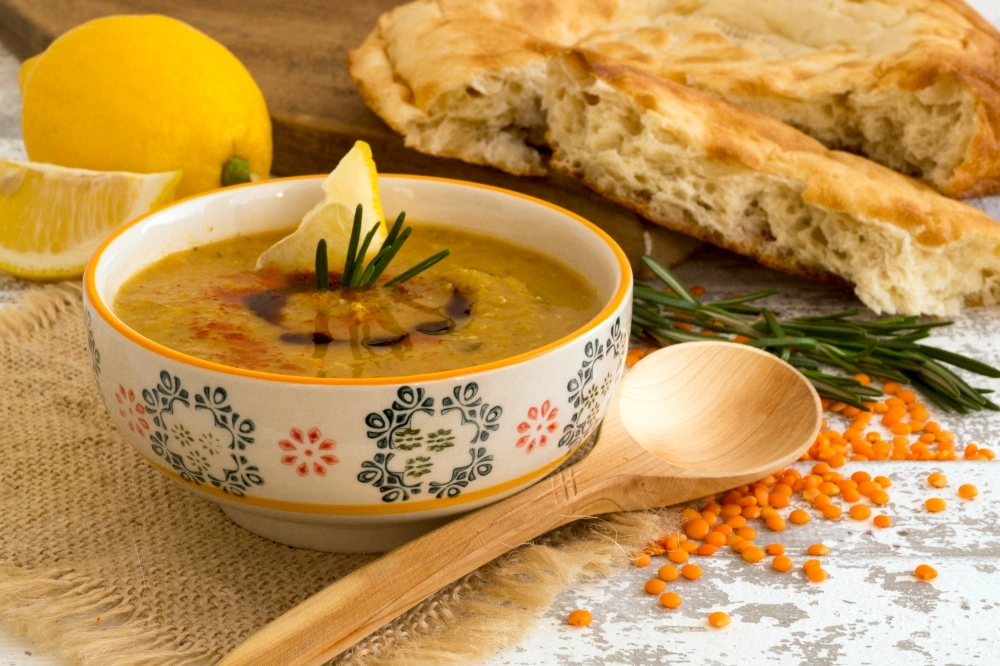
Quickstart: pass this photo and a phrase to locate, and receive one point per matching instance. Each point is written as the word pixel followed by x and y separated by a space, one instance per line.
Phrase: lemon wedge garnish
pixel 354 181
pixel 53 218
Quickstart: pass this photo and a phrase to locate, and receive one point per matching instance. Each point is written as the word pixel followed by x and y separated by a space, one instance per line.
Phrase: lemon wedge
pixel 354 181
pixel 53 218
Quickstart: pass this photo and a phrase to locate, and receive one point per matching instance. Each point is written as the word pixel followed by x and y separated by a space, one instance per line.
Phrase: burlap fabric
pixel 106 562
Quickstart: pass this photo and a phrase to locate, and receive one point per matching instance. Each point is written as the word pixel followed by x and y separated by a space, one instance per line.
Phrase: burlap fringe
pixel 83 623
pixel 38 308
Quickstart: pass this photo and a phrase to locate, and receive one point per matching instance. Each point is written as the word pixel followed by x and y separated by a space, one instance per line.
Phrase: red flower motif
pixel 540 424
pixel 311 452
pixel 131 411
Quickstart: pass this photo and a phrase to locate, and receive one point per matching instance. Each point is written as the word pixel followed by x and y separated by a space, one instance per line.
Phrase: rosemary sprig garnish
pixel 357 275
pixel 886 347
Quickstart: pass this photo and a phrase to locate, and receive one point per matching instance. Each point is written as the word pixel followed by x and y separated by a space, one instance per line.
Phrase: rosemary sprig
pixel 357 275
pixel 886 347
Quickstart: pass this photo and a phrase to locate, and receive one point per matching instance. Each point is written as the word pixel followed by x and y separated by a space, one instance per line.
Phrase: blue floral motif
pixel 238 475
pixel 396 421
pixel 584 395
pixel 473 410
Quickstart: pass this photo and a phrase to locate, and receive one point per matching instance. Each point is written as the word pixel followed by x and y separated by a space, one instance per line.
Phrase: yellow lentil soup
pixel 487 301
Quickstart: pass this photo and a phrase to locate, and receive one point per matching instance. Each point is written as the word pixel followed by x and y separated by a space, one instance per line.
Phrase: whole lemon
pixel 145 94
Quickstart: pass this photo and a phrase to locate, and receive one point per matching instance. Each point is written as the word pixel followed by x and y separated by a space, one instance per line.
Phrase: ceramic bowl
pixel 317 463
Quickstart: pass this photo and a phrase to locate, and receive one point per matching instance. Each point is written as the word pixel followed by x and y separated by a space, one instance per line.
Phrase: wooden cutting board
pixel 296 50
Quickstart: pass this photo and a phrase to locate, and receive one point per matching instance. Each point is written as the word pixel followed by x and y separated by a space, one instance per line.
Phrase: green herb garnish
pixel 356 274
pixel 886 347
pixel 322 270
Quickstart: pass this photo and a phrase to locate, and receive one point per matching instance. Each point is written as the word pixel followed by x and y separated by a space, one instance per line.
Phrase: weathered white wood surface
pixel 870 611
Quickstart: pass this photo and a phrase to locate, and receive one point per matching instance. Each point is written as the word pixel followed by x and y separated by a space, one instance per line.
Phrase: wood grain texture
pixel 297 51
pixel 767 415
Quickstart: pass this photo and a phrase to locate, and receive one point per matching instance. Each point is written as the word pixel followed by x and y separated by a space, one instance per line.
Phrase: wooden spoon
pixel 691 420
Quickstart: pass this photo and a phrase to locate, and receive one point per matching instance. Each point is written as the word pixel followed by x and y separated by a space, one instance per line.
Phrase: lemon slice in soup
pixel 354 181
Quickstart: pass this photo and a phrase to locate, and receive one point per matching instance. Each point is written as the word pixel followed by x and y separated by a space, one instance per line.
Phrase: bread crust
pixel 941 52
pixel 866 193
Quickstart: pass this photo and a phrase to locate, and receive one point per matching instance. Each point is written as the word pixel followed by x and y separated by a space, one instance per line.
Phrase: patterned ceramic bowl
pixel 321 463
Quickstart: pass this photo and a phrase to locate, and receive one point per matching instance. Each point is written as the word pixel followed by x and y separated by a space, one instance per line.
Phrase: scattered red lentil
pixel 832 512
pixel 935 504
pixel 691 571
pixel 580 618
pixel 967 491
pixel 818 549
pixel 781 563
pixel 879 497
pixel 799 517
pixel 677 556
pixel 816 574
pixel 670 599
pixel 860 512
pixel 715 538
pixel 725 521
pixel 697 529
pixel 882 521
pixel 937 480
pixel 655 586
pixel 668 573
pixel 718 619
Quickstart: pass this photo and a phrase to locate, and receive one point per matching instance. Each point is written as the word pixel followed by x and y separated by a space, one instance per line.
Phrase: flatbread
pixel 912 84
pixel 750 183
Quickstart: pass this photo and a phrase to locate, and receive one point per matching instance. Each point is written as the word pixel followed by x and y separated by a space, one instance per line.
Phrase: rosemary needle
pixel 357 275
pixel 322 270
pixel 886 347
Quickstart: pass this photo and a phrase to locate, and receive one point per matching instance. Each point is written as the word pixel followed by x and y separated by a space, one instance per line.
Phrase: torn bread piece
pixel 749 183
pixel 464 78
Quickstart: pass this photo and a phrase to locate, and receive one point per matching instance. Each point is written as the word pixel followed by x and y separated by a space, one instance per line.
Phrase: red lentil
pixel 781 563
pixel 670 599
pixel 718 619
pixel 655 586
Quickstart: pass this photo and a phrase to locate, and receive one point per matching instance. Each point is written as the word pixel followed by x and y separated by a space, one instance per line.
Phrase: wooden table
pixel 870 611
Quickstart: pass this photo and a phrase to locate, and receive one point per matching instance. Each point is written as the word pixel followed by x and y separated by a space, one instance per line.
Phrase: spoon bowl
pixel 705 417
pixel 719 410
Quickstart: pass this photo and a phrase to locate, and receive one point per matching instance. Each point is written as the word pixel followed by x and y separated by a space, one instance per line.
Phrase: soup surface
pixel 488 300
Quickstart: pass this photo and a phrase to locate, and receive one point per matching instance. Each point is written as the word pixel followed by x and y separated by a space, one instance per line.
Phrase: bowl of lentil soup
pixel 356 420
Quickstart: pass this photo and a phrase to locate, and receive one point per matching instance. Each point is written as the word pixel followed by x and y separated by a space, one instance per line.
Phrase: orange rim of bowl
pixel 90 287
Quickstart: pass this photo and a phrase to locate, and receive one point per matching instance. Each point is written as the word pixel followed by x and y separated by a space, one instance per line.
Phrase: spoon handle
pixel 336 618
